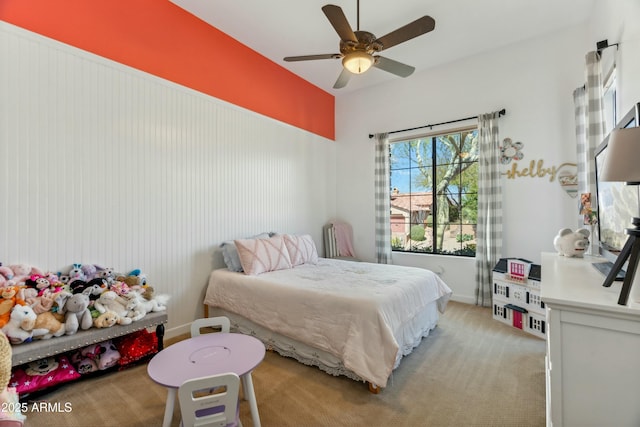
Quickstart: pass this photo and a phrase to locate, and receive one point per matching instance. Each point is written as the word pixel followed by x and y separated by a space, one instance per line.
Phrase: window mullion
pixel 434 198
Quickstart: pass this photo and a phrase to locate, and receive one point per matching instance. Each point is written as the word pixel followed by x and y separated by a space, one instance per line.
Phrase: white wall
pixel 618 22
pixel 533 81
pixel 100 163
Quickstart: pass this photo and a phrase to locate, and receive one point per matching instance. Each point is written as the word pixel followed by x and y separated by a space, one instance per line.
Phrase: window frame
pixel 610 99
pixel 464 249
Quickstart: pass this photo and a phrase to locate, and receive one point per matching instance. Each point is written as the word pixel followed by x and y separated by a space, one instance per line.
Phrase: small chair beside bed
pixel 348 318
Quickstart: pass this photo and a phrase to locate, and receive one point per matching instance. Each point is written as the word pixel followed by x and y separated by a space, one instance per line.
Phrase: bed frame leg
pixel 206 311
pixel 160 336
pixel 374 388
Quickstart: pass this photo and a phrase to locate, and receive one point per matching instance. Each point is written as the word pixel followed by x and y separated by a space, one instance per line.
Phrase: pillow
pixel 230 252
pixel 136 346
pixel 302 249
pixel 42 373
pixel 262 255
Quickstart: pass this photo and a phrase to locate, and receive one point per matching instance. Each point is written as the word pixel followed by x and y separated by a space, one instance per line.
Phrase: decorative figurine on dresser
pixel 516 295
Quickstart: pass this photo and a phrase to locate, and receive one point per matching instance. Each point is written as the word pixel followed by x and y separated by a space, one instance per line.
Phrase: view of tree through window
pixel 434 193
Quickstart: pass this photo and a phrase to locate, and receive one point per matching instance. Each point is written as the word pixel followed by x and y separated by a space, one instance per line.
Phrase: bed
pixel 348 318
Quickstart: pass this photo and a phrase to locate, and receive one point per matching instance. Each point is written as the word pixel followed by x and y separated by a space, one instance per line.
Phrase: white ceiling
pixel 282 28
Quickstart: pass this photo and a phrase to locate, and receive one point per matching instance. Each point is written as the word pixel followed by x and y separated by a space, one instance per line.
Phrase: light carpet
pixel 471 371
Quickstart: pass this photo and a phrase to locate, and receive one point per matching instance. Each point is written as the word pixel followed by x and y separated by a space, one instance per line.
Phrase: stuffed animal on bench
pixel 77 314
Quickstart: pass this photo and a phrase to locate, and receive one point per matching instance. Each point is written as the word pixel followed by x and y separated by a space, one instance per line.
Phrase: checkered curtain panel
pixel 382 199
pixel 489 232
pixel 589 117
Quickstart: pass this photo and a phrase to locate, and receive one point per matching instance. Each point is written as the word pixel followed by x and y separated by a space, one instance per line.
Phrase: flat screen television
pixel 617 202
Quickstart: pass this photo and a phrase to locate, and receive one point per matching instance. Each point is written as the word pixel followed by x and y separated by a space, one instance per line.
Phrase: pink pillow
pixel 42 373
pixel 262 255
pixel 302 249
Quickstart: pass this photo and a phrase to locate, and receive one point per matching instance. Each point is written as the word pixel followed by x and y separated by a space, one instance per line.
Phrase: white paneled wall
pixel 100 163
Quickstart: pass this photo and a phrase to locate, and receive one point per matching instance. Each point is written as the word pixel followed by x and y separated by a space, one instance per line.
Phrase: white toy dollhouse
pixel 516 295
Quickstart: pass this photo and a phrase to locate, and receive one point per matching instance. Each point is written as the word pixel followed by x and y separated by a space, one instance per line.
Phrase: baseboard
pixel 178 330
pixel 463 299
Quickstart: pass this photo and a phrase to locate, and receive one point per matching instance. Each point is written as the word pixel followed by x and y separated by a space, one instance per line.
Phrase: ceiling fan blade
pixel 336 17
pixel 312 57
pixel 414 29
pixel 343 79
pixel 393 67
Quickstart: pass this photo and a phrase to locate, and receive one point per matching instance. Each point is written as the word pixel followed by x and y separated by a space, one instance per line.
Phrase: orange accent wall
pixel 162 39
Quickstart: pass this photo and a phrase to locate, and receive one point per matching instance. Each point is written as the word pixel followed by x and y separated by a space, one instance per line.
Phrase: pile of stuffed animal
pixel 37 304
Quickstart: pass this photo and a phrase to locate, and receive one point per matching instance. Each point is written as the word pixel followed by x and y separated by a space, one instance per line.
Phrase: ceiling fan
pixel 358 49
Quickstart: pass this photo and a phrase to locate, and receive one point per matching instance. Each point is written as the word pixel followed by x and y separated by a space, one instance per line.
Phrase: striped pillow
pixel 261 255
pixel 302 249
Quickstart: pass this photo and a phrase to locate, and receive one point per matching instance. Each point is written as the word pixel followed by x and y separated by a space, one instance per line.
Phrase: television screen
pixel 617 202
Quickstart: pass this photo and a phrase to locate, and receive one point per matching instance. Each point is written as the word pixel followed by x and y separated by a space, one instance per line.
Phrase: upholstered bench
pixel 39 349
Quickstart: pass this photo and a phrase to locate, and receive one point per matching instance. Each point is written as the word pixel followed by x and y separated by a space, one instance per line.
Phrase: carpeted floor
pixel 471 371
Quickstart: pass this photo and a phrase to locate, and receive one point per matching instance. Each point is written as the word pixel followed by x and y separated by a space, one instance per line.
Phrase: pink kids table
pixel 203 355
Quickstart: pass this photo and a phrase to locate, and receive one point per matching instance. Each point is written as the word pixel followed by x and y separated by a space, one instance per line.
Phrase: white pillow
pixel 262 255
pixel 302 249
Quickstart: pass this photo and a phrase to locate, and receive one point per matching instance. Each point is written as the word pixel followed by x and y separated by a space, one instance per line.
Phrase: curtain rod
pixel 500 113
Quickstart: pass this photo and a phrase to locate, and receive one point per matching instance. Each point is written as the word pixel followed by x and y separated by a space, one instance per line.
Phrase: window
pixel 434 193
pixel 609 93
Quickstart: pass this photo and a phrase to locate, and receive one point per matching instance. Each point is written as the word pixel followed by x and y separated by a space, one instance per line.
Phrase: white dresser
pixel 593 347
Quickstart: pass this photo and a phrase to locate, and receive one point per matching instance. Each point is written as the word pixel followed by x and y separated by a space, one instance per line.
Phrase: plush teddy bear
pixel 141 278
pixel 108 354
pixel 20 327
pixel 6 274
pixel 44 302
pixel 77 314
pixel 48 325
pixel 107 274
pixel 120 288
pixel 133 282
pixel 76 273
pixel 110 301
pixel 52 277
pixel 28 295
pixel 572 244
pixel 148 292
pixel 38 282
pixel 63 279
pixel 48 281
pixel 97 356
pixel 93 288
pixel 89 270
pixel 41 366
pixel 106 319
pixel 83 364
pixel 90 352
pixel 77 286
pixel 128 280
pixel 9 297
pixel 22 272
pixel 141 305
pixel 39 303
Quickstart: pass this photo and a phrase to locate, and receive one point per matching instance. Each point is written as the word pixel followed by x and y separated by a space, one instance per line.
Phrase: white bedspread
pixel 353 310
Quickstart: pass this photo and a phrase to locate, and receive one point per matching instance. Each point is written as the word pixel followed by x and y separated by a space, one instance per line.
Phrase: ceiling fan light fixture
pixel 357 62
